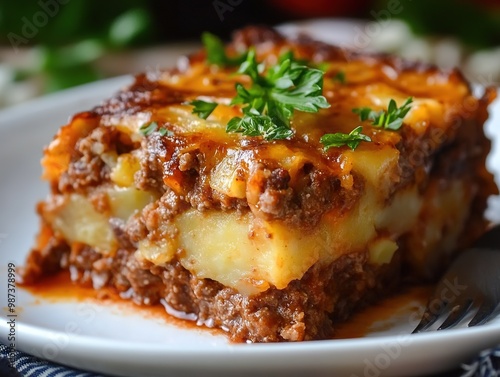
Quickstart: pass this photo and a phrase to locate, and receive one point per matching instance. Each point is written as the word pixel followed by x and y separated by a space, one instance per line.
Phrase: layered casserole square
pixel 269 238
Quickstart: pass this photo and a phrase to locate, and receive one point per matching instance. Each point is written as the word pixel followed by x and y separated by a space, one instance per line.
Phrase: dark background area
pixel 475 21
pixel 56 44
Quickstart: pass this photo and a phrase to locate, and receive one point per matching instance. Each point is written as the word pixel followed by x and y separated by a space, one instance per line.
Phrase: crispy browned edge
pixel 306 308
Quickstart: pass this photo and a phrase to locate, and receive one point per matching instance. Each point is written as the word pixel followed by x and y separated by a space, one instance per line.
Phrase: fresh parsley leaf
pixel 255 124
pixel 392 119
pixel 289 55
pixel 352 139
pixel 251 68
pixel 165 132
pixel 269 103
pixel 202 108
pixel 273 97
pixel 216 52
pixel 322 66
pixel 298 87
pixel 365 113
pixel 148 128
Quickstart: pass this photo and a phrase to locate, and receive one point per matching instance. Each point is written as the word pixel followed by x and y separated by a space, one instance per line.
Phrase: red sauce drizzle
pixel 409 299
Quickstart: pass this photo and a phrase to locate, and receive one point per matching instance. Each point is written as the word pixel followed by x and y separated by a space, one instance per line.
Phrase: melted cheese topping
pixel 248 251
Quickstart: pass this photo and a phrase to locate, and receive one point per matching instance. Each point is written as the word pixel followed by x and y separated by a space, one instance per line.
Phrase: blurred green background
pixel 48 45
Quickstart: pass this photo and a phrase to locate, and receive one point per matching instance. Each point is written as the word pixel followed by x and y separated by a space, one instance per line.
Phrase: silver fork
pixel 470 289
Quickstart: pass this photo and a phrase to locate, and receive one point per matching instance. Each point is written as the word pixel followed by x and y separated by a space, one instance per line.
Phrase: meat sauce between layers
pixel 176 169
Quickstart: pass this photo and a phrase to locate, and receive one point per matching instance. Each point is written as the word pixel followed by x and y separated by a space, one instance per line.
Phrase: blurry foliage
pixel 76 34
pixel 78 20
pixel 475 23
pixel 81 31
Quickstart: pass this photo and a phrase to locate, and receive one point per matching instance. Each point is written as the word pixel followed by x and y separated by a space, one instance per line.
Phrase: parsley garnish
pixel 255 124
pixel 202 109
pixel 269 103
pixel 164 131
pixel 392 119
pixel 352 139
pixel 148 128
pixel 216 53
pixel 273 97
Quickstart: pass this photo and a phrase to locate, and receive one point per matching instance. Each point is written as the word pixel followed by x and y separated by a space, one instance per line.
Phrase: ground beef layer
pixel 302 311
pixel 441 152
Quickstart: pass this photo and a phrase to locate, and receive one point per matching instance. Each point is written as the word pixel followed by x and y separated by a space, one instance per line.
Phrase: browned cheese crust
pixel 176 169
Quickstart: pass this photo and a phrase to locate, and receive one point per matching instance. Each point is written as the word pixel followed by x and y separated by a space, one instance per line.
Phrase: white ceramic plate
pixel 111 340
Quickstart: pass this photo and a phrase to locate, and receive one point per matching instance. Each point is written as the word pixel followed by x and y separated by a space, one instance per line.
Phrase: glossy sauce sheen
pixel 60 288
pixel 379 317
pixel 198 218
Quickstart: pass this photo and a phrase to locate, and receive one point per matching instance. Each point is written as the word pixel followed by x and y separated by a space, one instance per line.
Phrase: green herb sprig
pixel 216 52
pixel 202 108
pixel 273 97
pixel 269 103
pixel 352 139
pixel 391 119
pixel 148 128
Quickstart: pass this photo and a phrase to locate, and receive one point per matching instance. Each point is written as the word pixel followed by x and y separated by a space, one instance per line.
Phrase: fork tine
pixel 457 313
pixel 485 313
pixel 473 275
pixel 430 316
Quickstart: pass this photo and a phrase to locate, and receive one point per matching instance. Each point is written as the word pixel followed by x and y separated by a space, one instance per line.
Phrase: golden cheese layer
pixel 251 213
